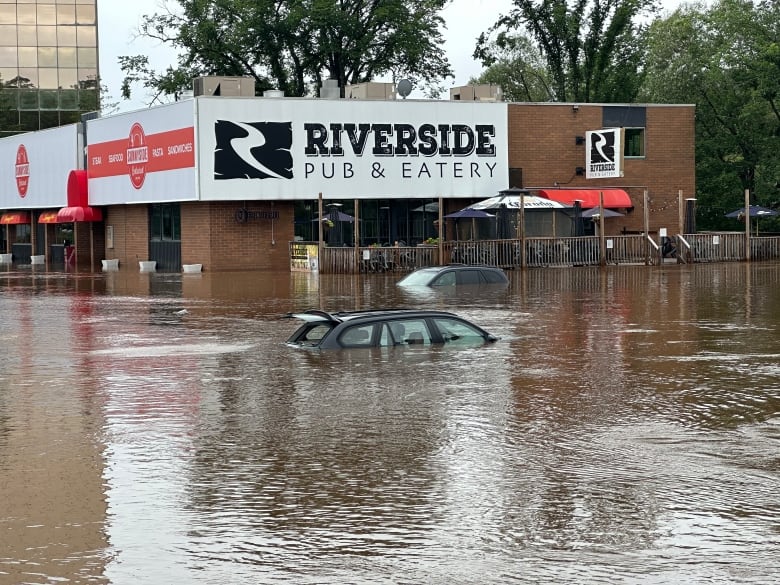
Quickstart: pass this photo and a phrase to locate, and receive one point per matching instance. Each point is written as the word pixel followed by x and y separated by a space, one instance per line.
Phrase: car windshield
pixel 417 278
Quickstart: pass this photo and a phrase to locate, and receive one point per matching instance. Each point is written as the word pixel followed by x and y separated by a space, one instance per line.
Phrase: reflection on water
pixel 154 428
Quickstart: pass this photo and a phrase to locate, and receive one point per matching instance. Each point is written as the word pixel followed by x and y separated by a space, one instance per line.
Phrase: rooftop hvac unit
pixel 224 86
pixel 372 90
pixel 330 89
pixel 477 93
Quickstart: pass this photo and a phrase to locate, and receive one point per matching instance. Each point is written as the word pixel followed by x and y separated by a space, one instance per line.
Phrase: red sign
pixel 142 154
pixel 22 170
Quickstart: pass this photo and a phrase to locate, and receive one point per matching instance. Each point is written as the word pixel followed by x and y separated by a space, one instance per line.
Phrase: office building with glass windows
pixel 48 63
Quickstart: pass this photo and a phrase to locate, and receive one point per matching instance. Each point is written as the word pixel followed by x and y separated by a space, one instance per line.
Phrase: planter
pixel 191 268
pixel 147 265
pixel 110 265
pixel 6 258
pixel 38 259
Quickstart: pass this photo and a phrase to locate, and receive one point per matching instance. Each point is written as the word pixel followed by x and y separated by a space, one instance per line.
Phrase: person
pixel 398 331
pixel 668 249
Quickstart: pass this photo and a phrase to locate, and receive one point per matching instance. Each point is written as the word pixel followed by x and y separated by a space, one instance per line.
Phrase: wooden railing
pixel 551 252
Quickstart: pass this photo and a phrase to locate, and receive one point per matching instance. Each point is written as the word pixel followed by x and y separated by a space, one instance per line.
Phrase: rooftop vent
pixel 224 86
pixel 330 89
pixel 372 90
pixel 477 93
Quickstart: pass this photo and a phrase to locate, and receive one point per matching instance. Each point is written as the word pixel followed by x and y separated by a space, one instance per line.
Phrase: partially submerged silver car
pixel 384 328
pixel 455 275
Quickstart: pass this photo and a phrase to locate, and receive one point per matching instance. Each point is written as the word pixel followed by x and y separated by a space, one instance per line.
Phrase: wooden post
pixel 602 240
pixel 646 221
pixel 521 227
pixel 320 243
pixel 356 232
pixel 440 239
pixel 681 212
pixel 747 225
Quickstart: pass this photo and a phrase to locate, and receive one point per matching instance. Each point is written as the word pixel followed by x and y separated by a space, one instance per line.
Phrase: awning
pixel 15 218
pixel 48 217
pixel 71 214
pixel 589 197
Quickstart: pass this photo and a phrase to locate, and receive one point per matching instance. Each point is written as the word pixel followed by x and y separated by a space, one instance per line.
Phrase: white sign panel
pixel 34 168
pixel 604 158
pixel 143 156
pixel 291 148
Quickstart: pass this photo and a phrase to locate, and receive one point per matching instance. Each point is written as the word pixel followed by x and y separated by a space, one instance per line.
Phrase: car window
pixel 493 276
pixel 410 332
pixel 314 333
pixel 357 336
pixel 469 277
pixel 456 331
pixel 445 279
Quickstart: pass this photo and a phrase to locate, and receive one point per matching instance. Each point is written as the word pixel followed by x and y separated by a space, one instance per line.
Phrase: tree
pixel 726 60
pixel 514 63
pixel 593 48
pixel 292 45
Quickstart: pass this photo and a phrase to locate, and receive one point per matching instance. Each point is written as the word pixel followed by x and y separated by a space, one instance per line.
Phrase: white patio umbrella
pixel 513 202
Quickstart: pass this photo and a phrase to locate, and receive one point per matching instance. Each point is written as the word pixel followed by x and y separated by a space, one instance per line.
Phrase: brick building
pixel 228 182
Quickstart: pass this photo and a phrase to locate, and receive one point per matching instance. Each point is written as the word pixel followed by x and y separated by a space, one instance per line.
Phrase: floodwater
pixel 154 428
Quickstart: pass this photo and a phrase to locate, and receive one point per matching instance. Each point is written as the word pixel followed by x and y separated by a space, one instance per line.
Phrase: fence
pixel 552 252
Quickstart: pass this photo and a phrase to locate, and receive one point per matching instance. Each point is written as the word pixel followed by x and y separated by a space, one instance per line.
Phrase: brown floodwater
pixel 154 428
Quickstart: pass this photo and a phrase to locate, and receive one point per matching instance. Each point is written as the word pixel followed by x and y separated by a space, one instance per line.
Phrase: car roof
pixel 342 316
pixel 458 266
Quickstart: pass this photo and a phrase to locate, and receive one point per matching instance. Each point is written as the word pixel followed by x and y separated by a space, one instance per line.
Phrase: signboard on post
pixel 604 153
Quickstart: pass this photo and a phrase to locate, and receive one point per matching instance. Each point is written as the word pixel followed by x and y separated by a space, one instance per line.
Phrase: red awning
pixel 589 197
pixel 71 214
pixel 15 218
pixel 48 217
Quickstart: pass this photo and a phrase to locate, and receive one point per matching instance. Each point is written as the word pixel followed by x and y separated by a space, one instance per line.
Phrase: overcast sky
pixel 118 21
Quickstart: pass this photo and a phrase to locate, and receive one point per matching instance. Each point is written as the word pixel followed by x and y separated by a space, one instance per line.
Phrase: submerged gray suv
pixel 384 328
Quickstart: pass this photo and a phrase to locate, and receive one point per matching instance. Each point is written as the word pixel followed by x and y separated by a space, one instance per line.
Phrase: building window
pixel 635 142
pixel 165 222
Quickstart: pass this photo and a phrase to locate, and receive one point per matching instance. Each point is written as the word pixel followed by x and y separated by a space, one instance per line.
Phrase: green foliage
pixel 514 63
pixel 593 49
pixel 292 45
pixel 724 58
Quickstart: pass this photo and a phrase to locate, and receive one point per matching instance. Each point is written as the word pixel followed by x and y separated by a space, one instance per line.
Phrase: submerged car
pixel 384 328
pixel 455 275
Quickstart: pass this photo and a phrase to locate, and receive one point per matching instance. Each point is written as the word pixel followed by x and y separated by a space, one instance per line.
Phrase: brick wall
pixel 89 239
pixel 212 236
pixel 543 145
pixel 131 233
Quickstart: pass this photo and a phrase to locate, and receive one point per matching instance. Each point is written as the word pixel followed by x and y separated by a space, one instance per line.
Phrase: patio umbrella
pixel 336 215
pixel 335 235
pixel 513 202
pixel 755 211
pixel 468 213
pixel 594 212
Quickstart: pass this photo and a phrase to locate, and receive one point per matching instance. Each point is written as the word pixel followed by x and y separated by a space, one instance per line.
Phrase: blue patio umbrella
pixel 335 235
pixel 468 213
pixel 336 215
pixel 594 212
pixel 755 211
